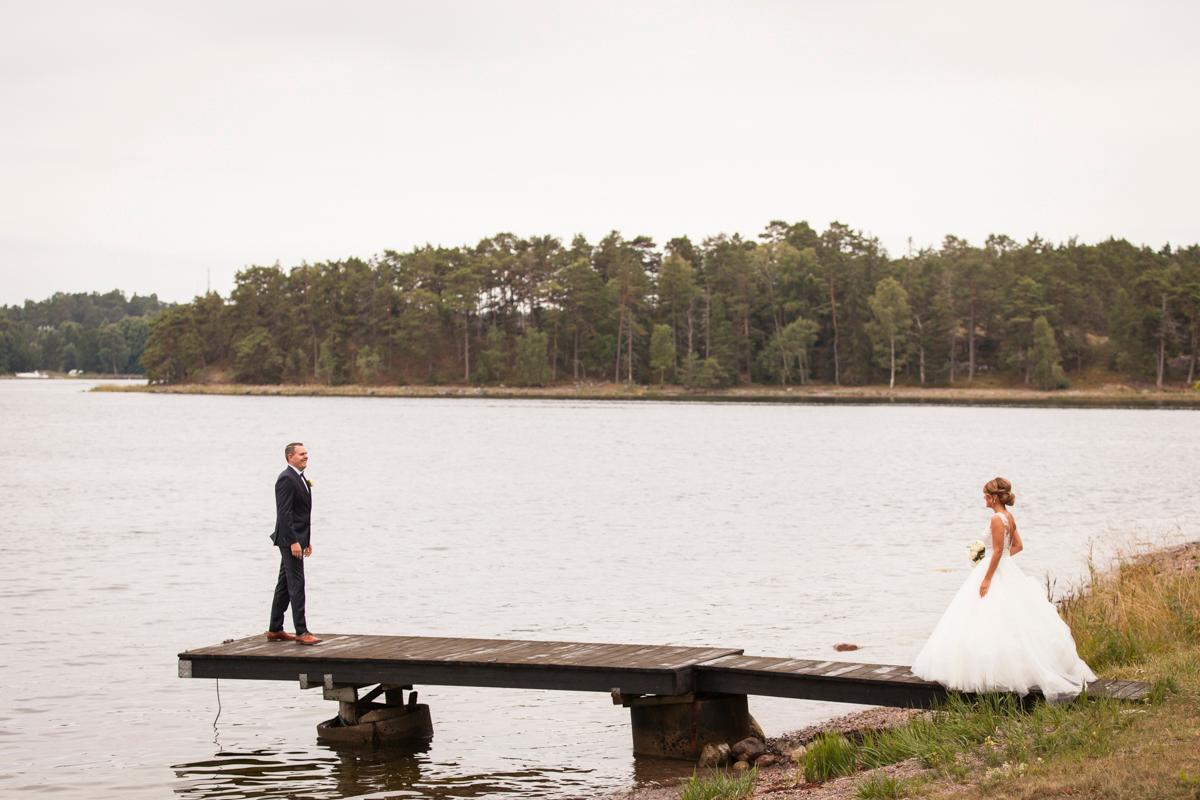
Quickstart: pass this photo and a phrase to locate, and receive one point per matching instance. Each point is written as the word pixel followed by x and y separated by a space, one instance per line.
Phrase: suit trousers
pixel 289 590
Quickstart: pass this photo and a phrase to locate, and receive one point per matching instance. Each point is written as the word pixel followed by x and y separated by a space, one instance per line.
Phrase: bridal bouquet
pixel 976 550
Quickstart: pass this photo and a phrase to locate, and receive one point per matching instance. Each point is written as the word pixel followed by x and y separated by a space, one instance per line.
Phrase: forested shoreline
pixel 87 332
pixel 792 305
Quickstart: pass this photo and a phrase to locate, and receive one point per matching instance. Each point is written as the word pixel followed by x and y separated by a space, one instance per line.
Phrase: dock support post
pixel 362 722
pixel 678 726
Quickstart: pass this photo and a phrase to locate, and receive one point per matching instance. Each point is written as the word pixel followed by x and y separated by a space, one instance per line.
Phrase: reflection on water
pixel 384 772
pixel 135 527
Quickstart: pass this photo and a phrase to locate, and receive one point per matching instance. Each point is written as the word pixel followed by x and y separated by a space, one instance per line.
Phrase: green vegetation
pixel 884 787
pixel 719 785
pixel 1134 614
pixel 1047 366
pixel 1007 733
pixel 662 351
pixel 828 756
pixel 790 306
pixel 892 319
pixel 87 332
pixel 532 369
pixel 1140 622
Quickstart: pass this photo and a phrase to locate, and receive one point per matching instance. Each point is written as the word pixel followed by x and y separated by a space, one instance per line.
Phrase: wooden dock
pixel 434 661
pixel 694 691
pixel 574 666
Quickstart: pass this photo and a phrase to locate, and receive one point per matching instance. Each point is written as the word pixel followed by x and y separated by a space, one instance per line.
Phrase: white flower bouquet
pixel 976 550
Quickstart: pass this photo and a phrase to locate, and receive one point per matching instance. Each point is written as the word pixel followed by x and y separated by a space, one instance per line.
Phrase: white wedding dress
pixel 1012 640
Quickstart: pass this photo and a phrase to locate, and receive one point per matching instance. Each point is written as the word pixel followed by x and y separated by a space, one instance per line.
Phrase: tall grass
pixel 1136 611
pixel 828 756
pixel 719 785
pixel 883 787
pixel 956 726
pixel 1143 619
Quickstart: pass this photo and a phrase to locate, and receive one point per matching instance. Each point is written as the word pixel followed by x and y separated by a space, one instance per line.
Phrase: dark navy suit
pixel 293 513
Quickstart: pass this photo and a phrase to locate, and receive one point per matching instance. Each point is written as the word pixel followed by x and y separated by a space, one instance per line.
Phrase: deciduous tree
pixel 893 318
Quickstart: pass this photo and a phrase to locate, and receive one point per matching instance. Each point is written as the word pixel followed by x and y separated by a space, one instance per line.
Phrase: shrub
pixel 532 367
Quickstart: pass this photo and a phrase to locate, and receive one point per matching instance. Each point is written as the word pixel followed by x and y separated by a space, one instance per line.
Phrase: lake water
pixel 135 526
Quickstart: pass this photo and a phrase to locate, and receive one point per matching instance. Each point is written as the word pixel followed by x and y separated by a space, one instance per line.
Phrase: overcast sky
pixel 145 145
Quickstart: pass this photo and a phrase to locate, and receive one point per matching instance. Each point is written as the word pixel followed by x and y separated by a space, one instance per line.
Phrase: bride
pixel 1000 633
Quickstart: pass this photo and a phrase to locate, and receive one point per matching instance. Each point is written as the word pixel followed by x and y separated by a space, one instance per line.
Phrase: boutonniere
pixel 306 480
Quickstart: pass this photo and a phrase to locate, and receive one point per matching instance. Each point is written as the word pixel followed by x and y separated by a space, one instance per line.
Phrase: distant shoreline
pixel 1105 397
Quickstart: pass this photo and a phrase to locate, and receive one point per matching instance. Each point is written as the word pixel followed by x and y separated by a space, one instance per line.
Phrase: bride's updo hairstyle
pixel 1000 489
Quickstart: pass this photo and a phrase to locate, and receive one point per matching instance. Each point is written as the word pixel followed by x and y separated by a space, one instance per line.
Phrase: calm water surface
pixel 135 527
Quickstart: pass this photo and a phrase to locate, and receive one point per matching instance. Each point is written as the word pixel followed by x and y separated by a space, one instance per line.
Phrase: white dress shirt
pixel 302 478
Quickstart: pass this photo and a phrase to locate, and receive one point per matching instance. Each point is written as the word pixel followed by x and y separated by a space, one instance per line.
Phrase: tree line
pixel 789 306
pixel 86 332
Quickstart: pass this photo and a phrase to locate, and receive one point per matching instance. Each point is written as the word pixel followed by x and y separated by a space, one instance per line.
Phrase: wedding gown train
pixel 1012 640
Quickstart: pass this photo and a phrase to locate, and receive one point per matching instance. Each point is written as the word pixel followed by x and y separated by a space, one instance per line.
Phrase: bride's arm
pixel 997 543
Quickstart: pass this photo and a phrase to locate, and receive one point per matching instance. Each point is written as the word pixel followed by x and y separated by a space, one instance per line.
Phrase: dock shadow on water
pixel 352 772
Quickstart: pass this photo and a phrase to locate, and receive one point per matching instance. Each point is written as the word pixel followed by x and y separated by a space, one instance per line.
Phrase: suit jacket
pixel 293 510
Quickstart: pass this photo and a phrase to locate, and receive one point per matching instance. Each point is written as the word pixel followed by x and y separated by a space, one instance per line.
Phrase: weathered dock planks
pixel 811 679
pixel 576 666
pixel 412 660
pixel 851 682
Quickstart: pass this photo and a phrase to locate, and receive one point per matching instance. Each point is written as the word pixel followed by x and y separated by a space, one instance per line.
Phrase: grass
pixel 719 785
pixel 828 756
pixel 936 740
pixel 1000 729
pixel 884 787
pixel 1134 613
pixel 1139 622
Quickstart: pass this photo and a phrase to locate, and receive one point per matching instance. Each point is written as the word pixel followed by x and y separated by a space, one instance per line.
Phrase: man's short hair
pixel 291 448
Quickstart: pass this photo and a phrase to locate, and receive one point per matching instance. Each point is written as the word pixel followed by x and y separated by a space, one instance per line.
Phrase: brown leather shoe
pixel 307 638
pixel 279 636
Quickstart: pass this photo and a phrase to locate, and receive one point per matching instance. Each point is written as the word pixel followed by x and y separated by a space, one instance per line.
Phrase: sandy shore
pixel 1105 396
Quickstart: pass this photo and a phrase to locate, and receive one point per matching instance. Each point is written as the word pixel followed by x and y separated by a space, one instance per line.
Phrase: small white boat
pixel 34 374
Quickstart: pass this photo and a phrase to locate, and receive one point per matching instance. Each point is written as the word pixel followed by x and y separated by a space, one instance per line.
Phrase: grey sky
pixel 143 144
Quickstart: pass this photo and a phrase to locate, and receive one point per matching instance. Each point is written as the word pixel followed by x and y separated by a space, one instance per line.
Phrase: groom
pixel 293 509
